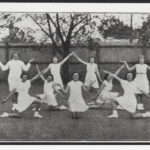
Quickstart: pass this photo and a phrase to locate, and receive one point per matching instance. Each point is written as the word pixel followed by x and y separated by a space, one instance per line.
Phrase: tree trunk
pixel 65 67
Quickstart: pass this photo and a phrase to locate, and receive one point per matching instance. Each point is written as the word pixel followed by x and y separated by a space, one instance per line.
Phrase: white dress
pixel 128 100
pixel 55 71
pixel 15 68
pixel 24 99
pixel 141 78
pixel 91 75
pixel 106 95
pixel 49 96
pixel 76 101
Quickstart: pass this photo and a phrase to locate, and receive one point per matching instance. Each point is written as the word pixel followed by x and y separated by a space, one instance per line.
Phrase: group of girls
pixel 19 86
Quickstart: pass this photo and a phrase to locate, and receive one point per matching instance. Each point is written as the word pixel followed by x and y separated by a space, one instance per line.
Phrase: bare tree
pixel 68 28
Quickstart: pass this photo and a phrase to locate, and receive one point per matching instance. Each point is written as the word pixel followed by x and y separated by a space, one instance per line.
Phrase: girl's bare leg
pixel 14 100
pixel 36 111
pixel 139 102
pixel 73 114
pixel 78 115
pixel 114 109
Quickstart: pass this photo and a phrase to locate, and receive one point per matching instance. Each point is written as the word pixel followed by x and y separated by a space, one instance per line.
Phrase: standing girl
pixel 141 79
pixel 128 100
pixel 24 99
pixel 91 74
pixel 15 67
pixel 55 69
pixel 49 97
pixel 76 101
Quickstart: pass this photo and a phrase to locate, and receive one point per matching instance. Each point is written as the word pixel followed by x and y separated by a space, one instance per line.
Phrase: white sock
pixel 36 112
pixel 14 105
pixel 115 112
pixel 146 114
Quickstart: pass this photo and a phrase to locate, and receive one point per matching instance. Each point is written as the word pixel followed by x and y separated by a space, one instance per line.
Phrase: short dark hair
pixel 24 74
pixel 128 73
pixel 74 73
pixel 14 54
pixel 91 57
pixel 51 76
pixel 106 76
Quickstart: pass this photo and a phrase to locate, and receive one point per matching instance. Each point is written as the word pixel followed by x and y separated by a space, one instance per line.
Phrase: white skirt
pixel 24 101
pixel 48 99
pixel 142 82
pixel 91 77
pixel 106 97
pixel 77 104
pixel 128 102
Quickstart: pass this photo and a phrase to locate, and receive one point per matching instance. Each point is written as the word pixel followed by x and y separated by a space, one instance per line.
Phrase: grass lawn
pixel 58 125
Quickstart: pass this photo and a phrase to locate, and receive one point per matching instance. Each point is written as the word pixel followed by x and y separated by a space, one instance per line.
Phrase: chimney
pixel 11 28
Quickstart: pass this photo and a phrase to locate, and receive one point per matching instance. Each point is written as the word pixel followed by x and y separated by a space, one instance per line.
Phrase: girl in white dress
pixel 49 96
pixel 141 79
pixel 15 67
pixel 76 101
pixel 105 94
pixel 24 99
pixel 91 74
pixel 54 69
pixel 128 100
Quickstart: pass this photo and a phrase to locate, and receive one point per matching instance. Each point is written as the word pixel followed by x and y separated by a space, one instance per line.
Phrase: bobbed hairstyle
pixel 51 76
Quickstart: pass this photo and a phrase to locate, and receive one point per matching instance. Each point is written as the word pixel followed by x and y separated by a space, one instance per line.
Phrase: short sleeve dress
pixel 76 101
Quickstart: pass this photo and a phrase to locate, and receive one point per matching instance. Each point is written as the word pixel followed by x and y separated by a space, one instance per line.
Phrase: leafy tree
pixel 144 32
pixel 113 27
pixel 16 34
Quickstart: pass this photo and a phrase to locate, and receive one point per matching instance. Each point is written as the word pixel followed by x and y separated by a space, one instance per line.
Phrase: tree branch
pixel 78 30
pixel 80 21
pixel 58 28
pixel 70 28
pixel 51 36
pixel 39 25
pixel 52 21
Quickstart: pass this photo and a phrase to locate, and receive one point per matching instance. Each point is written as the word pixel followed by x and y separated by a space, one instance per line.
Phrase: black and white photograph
pixel 74 76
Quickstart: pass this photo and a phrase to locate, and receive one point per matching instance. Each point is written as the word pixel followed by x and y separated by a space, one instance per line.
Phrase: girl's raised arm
pixel 98 74
pixel 65 59
pixel 4 67
pixel 99 91
pixel 36 76
pixel 119 69
pixel 79 59
pixel 114 75
pixel 28 65
pixel 47 69
pixel 41 76
pixel 127 66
